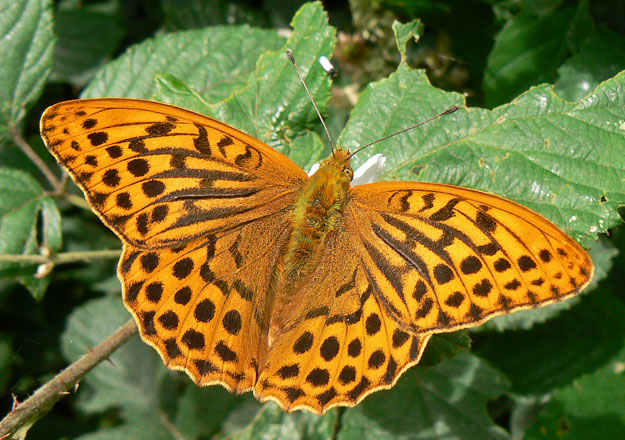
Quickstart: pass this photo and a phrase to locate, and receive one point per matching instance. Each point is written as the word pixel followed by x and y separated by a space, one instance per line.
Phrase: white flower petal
pixel 313 169
pixel 369 171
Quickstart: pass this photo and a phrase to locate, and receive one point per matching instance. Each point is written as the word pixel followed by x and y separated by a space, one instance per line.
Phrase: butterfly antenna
pixel 449 111
pixel 292 59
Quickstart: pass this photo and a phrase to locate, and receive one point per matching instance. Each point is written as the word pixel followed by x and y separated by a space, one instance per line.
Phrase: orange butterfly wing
pixel 159 175
pixel 412 259
pixel 201 209
pixel 203 305
pixel 341 342
pixel 445 257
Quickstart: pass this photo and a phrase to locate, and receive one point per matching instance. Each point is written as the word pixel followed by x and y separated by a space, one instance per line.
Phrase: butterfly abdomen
pixel 317 212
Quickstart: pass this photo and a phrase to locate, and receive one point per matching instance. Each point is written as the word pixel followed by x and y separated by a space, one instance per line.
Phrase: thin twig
pixel 28 412
pixel 75 200
pixel 61 258
pixel 175 433
pixel 34 157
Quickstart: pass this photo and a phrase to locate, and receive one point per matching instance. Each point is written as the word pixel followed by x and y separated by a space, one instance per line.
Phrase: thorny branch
pixel 22 417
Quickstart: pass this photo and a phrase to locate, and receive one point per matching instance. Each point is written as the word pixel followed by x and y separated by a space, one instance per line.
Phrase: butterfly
pixel 241 270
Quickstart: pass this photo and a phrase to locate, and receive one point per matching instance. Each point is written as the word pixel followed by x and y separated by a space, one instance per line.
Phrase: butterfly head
pixel 337 166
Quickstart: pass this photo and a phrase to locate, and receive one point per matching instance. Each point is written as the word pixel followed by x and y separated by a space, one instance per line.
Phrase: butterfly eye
pixel 349 171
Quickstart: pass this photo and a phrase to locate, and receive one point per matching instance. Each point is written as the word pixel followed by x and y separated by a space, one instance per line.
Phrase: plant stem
pixel 18 421
pixel 61 258
pixel 76 201
pixel 34 157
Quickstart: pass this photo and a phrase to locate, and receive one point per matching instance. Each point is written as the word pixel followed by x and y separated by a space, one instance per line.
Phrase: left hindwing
pixel 443 257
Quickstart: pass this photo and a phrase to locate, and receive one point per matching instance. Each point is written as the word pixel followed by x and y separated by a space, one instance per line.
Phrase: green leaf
pixel 447 401
pixel 213 61
pixel 552 354
pixel 444 345
pixel 274 102
pixel 272 423
pixel 589 408
pixel 26 54
pixel 120 382
pixel 21 204
pixel 141 426
pixel 307 150
pixel 562 159
pixel 527 51
pixel 78 55
pixel 193 404
pixel 600 56
pixel 273 106
pixel 173 91
pixel 405 32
